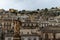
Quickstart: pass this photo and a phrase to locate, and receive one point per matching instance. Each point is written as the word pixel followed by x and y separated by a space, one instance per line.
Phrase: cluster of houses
pixel 33 26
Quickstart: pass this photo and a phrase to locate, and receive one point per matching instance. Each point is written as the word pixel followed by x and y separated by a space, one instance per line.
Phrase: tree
pixel 56 7
pixel 38 9
pixel 19 12
pixel 46 10
pixel 52 8
pixel 45 13
pixel 23 10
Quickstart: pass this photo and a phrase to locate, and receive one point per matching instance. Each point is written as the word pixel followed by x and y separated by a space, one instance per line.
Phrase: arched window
pixel 9 38
pixel 26 24
pixel 29 38
pixel 27 32
pixel 34 39
pixel 30 24
pixel 22 38
pixel 23 24
pixel 34 24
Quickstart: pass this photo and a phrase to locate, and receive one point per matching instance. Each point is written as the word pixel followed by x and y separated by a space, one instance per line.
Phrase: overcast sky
pixel 28 4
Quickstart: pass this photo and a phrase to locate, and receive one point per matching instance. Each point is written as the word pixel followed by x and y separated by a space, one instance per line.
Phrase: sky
pixel 28 4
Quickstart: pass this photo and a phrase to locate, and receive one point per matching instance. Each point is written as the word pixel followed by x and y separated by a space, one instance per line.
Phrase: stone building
pixel 8 28
pixel 30 31
pixel 30 37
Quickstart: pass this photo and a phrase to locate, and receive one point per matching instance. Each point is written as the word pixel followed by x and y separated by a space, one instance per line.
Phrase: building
pixel 30 34
pixel 9 27
pixel 30 31
pixel 50 33
pixel 30 37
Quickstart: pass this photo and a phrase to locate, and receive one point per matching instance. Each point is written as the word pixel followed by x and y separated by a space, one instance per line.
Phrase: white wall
pixel 6 38
pixel 31 37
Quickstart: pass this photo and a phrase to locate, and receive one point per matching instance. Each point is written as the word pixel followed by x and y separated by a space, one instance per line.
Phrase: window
pixel 7 24
pixel 30 24
pixel 9 38
pixel 0 25
pixel 23 24
pixel 27 32
pixel 34 38
pixel 22 38
pixel 34 24
pixel 26 24
pixel 46 24
pixel 29 38
pixel 21 32
pixel 12 24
